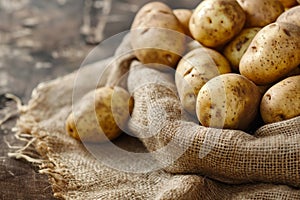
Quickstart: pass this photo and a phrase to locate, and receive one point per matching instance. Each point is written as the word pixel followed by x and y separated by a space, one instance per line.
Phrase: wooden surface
pixel 39 41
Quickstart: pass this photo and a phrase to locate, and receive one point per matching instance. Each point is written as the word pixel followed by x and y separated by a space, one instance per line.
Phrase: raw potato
pixel 194 44
pixel 290 16
pixel 184 15
pixel 157 35
pixel 264 88
pixel 288 3
pixel 215 22
pixel 99 115
pixel 238 46
pixel 294 72
pixel 281 101
pixel 260 13
pixel 194 70
pixel 273 53
pixel 228 101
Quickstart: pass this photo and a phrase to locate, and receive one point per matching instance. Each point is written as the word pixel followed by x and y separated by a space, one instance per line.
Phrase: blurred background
pixel 41 40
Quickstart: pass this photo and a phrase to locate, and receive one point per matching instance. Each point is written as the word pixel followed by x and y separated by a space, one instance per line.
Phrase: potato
pixel 260 13
pixel 157 36
pixel 215 22
pixel 194 70
pixel 281 101
pixel 238 46
pixel 184 15
pixel 99 115
pixel 264 88
pixel 288 3
pixel 228 101
pixel 191 45
pixel 294 72
pixel 290 16
pixel 273 53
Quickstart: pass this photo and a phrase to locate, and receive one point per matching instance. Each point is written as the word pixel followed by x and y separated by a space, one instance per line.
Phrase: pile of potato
pixel 247 58
pixel 235 61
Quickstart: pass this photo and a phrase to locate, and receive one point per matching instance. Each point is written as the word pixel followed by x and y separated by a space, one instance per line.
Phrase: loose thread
pixel 15 99
pixel 19 155
pixel 20 148
pixel 11 114
pixel 23 136
pixel 9 145
pixel 8 116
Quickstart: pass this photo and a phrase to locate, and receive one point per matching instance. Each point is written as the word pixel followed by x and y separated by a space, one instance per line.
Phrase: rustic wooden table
pixel 39 41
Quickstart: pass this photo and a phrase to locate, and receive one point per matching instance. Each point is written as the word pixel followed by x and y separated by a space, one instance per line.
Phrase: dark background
pixel 39 41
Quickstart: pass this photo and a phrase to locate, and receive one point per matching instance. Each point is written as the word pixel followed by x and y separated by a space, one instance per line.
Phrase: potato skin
pixel 281 101
pixel 184 15
pixel 215 22
pixel 290 16
pixel 157 36
pixel 273 53
pixel 260 13
pixel 238 46
pixel 194 70
pixel 288 3
pixel 228 101
pixel 111 107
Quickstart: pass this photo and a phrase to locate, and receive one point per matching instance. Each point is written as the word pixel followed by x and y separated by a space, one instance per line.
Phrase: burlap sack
pixel 212 163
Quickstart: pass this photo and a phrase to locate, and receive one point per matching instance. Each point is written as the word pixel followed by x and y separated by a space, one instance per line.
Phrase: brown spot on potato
pixel 254 48
pixel 168 57
pixel 281 117
pixel 70 129
pixel 286 32
pixel 163 12
pixel 187 72
pixel 240 43
pixel 218 114
pixel 209 20
pixel 145 31
pixel 193 21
